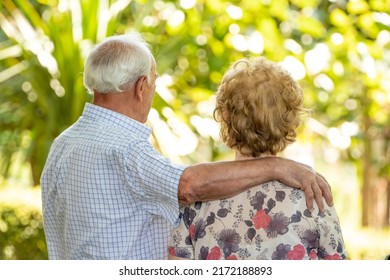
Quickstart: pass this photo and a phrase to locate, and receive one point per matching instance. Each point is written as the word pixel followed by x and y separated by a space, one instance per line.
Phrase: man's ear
pixel 141 87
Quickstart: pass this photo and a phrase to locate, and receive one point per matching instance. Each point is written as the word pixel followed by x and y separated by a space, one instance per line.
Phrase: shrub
pixel 21 234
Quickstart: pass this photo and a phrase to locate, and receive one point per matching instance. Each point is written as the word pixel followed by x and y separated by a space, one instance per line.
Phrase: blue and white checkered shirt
pixel 106 193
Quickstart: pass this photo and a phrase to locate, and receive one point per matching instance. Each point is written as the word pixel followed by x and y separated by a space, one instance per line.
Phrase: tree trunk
pixel 376 184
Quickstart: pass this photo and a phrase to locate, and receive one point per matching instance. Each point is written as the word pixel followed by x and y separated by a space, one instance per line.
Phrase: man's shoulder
pixel 97 131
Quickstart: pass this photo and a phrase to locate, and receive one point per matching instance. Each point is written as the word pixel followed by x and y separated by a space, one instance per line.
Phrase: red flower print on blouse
pixel 261 219
pixel 171 251
pixel 232 257
pixel 192 231
pixel 297 253
pixel 313 255
pixel 335 256
pixel 215 254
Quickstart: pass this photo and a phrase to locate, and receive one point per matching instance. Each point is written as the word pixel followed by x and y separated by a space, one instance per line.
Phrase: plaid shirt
pixel 106 193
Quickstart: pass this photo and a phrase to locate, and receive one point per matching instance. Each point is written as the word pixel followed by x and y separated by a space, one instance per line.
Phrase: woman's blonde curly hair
pixel 259 106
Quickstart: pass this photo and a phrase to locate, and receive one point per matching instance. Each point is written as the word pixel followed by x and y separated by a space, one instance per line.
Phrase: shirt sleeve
pixel 331 239
pixel 155 179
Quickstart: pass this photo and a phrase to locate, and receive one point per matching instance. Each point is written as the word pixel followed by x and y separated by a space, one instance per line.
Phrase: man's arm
pixel 210 181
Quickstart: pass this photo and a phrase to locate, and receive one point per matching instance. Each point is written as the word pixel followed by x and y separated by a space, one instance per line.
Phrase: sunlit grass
pixel 16 195
pixel 367 244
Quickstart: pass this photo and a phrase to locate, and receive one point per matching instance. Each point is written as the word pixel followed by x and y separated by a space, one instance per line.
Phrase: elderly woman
pixel 259 106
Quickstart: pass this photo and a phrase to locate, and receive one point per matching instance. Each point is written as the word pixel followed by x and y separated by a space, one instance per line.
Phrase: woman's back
pixel 259 107
pixel 267 222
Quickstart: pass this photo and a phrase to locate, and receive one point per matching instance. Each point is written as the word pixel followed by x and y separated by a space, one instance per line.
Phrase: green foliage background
pixel 339 51
pixel 22 234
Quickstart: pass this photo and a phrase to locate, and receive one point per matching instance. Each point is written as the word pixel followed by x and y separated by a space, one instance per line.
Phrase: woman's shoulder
pixel 272 193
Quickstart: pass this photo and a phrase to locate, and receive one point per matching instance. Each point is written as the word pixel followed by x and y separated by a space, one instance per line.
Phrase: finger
pixel 309 195
pixel 318 196
pixel 325 189
pixel 326 182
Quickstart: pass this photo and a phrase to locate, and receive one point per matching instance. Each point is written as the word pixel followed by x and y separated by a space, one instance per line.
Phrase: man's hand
pixel 303 177
pixel 211 181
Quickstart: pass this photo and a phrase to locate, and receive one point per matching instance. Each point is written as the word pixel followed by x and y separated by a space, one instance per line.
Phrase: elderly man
pixel 107 194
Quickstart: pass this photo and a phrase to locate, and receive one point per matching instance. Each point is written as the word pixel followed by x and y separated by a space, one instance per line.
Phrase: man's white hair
pixel 117 62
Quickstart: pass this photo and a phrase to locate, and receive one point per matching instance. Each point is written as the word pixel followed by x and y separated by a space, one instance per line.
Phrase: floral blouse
pixel 267 222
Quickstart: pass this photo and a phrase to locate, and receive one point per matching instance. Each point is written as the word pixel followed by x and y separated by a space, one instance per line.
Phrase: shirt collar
pixel 101 114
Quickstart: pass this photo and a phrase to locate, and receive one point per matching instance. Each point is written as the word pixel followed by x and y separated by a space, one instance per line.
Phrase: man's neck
pixel 118 102
pixel 239 156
